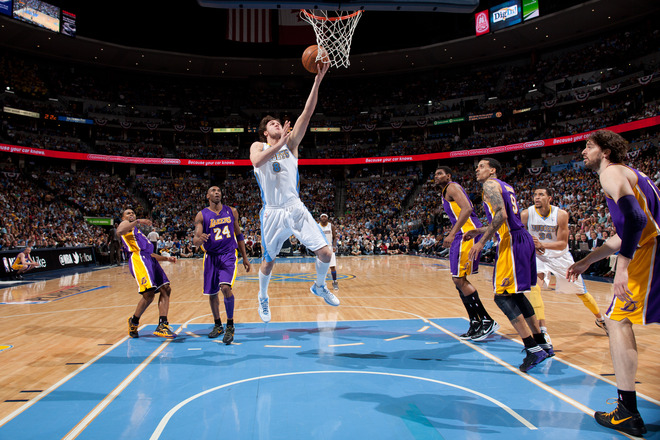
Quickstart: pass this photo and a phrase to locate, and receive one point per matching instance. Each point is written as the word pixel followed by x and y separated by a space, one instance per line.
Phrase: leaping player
pixel 275 161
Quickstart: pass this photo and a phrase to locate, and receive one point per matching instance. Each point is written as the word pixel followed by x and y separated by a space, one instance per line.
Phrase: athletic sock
pixel 481 310
pixel 537 302
pixel 590 303
pixel 334 275
pixel 229 307
pixel 529 342
pixel 218 321
pixel 468 303
pixel 134 320
pixel 539 338
pixel 230 322
pixel 629 400
pixel 162 319
pixel 321 272
pixel 263 285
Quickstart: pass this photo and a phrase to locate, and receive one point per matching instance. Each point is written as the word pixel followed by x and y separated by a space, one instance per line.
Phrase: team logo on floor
pixel 5 347
pixel 293 277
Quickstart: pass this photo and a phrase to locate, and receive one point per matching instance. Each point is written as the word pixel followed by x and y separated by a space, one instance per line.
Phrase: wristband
pixel 634 221
pixel 240 237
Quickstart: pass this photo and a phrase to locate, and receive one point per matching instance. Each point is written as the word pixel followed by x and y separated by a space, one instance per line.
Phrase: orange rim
pixel 317 17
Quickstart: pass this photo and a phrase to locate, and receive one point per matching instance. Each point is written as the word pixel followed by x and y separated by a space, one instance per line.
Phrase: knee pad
pixel 524 305
pixel 508 306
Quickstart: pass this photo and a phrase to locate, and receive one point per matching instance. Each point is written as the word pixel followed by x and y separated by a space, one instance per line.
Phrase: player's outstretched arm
pixel 300 127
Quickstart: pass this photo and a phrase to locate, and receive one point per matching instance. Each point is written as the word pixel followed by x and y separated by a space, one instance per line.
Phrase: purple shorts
pixel 147 272
pixel 219 269
pixel 515 266
pixel 459 264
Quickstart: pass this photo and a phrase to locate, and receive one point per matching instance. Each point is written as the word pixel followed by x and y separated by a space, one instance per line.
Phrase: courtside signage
pixel 621 128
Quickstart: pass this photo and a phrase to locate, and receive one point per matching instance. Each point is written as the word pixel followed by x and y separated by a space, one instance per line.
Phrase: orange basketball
pixel 309 58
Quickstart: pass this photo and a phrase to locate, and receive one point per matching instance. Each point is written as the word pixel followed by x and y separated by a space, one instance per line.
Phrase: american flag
pixel 249 25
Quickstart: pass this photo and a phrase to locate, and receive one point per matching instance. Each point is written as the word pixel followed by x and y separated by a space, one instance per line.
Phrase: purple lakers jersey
pixel 220 227
pixel 453 211
pixel 136 241
pixel 648 197
pixel 513 222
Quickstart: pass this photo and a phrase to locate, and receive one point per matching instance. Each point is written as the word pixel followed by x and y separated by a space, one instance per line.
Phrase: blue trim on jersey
pixel 297 181
pixel 267 257
pixel 324 236
pixel 261 190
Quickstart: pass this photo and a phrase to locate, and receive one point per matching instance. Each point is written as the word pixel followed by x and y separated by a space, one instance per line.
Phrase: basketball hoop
pixel 334 32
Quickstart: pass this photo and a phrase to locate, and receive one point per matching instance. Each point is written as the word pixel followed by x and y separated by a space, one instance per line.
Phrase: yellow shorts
pixel 644 284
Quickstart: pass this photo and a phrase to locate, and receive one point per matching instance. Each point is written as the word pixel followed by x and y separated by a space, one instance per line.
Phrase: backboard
pixel 457 6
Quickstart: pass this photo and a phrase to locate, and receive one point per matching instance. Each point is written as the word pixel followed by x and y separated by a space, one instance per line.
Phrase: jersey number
pixel 276 167
pixel 220 232
pixel 514 204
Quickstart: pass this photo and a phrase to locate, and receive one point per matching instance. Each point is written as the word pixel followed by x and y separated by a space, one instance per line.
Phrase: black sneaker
pixel 532 359
pixel 229 335
pixel 475 325
pixel 622 420
pixel 488 327
pixel 132 329
pixel 217 331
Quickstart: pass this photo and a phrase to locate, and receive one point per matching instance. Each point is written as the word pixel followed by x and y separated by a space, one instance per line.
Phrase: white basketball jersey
pixel 545 228
pixel 278 178
pixel 327 230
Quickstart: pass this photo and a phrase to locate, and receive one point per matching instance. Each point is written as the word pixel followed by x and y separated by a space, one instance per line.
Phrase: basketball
pixel 309 58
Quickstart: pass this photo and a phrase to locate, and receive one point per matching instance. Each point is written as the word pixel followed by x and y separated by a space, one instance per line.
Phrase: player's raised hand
pixel 285 135
pixel 322 70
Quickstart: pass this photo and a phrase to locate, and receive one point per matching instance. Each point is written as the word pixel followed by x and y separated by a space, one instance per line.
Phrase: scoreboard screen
pixel 39 13
pixel 5 7
pixel 68 24
pixel 530 9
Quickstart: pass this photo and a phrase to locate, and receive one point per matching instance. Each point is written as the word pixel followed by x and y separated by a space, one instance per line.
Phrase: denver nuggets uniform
pixel 283 213
pixel 515 265
pixel 459 264
pixel 552 261
pixel 220 250
pixel 644 269
pixel 327 231
pixel 144 268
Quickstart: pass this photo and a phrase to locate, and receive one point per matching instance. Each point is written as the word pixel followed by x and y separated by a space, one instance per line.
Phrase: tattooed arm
pixel 493 196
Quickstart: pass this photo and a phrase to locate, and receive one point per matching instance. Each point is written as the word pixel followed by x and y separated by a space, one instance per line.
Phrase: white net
pixel 334 32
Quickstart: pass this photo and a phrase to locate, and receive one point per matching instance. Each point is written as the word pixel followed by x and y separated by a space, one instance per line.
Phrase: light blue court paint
pixel 323 380
pixel 293 277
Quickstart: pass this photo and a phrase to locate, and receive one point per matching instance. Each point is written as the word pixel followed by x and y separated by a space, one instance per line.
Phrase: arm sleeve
pixel 634 221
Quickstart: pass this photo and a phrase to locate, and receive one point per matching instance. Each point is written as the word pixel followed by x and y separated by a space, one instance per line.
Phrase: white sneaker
pixel 335 286
pixel 324 293
pixel 264 310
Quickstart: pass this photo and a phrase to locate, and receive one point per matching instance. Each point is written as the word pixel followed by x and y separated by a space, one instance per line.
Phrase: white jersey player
pixel 331 237
pixel 275 162
pixel 548 225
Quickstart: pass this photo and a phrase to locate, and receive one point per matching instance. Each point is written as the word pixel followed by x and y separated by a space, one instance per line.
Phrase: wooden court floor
pixel 55 325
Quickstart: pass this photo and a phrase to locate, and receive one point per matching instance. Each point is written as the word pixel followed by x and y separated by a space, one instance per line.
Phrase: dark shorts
pixel 219 269
pixel 147 272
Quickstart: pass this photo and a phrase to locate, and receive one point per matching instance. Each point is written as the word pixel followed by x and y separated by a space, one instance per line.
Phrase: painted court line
pixel 62 381
pixel 398 337
pixel 166 418
pixel 423 329
pixel 114 393
pixel 346 345
pixel 283 346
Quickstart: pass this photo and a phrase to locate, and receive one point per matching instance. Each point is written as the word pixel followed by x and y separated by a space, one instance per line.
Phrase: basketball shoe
pixel 228 338
pixel 548 349
pixel 622 420
pixel 217 331
pixel 335 285
pixel 264 310
pixel 164 331
pixel 324 293
pixel 601 323
pixel 488 327
pixel 132 329
pixel 533 358
pixel 475 325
